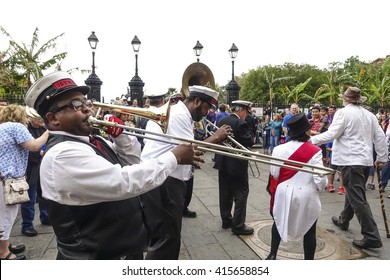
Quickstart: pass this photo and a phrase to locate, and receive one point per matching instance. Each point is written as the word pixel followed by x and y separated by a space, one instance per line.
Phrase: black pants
pixel 233 189
pixel 152 206
pixel 189 189
pixel 309 241
pixel 172 200
pixel 354 180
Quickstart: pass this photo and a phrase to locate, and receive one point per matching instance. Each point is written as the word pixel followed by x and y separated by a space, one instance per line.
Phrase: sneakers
pixel 370 186
pixel 341 190
pixel 330 188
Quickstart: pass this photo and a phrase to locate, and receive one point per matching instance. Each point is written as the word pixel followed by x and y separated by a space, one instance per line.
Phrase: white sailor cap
pixel 154 95
pixel 242 103
pixel 205 93
pixel 47 88
pixel 177 95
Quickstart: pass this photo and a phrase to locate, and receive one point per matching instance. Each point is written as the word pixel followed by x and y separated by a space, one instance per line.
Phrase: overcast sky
pixel 265 32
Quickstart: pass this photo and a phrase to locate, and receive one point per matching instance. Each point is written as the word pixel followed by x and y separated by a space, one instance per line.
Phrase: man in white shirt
pixel 182 116
pixel 90 186
pixel 354 131
pixel 294 109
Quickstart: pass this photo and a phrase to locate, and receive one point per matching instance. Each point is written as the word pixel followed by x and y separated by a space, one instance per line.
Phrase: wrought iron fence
pixel 13 98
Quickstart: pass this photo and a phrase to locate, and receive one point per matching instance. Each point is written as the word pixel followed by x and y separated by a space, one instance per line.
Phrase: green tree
pixel 272 82
pixel 378 85
pixel 29 61
pixel 297 94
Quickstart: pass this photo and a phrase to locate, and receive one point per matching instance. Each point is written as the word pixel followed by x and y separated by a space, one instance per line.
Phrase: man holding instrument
pixel 90 185
pixel 233 172
pixel 173 190
pixel 354 131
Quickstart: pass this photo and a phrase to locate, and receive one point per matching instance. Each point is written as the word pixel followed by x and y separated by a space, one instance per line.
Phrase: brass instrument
pixel 159 115
pixel 199 74
pixel 237 144
pixel 203 146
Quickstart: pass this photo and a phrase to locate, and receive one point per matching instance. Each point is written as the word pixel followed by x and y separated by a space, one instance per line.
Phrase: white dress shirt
pixel 181 125
pixel 354 131
pixel 73 174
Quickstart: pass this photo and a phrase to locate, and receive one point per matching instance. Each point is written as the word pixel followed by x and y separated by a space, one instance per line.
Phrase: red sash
pixel 303 154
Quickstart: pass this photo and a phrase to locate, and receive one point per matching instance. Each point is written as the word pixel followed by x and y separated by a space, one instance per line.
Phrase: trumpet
pixel 238 145
pixel 208 147
pixel 159 115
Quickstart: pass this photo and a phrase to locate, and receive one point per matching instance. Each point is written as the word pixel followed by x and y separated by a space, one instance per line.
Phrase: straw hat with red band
pixel 205 93
pixel 45 90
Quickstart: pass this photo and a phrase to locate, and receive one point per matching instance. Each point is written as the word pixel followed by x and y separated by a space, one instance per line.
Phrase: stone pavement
pixel 204 239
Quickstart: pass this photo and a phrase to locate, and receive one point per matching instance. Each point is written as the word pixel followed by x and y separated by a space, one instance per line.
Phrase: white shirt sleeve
pixel 72 174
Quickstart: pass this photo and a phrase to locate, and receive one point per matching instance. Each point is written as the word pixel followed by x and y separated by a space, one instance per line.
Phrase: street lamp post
pixel 198 50
pixel 232 88
pixel 93 80
pixel 136 84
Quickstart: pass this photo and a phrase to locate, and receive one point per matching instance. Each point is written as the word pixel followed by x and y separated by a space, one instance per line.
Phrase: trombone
pixel 238 145
pixel 202 146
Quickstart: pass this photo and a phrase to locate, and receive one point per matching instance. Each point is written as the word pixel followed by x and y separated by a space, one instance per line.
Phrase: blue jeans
pixel 385 176
pixel 28 209
pixel 275 141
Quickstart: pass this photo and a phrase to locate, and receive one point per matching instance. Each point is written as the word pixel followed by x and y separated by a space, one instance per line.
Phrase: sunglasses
pixel 77 105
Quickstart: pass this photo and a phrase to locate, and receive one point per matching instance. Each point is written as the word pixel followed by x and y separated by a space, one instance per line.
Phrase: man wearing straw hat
pixel 354 131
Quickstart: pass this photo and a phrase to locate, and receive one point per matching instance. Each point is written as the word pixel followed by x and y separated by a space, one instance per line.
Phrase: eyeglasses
pixel 77 105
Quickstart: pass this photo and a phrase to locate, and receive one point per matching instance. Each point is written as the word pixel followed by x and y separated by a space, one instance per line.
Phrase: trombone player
pixel 90 186
pixel 233 172
pixel 182 116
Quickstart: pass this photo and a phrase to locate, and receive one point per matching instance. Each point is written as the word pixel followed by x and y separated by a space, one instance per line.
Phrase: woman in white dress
pixel 295 202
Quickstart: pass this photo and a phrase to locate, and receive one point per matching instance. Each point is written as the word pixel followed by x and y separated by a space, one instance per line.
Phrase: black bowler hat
pixel 298 124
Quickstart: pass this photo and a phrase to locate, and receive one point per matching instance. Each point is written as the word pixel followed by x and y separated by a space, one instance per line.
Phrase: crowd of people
pixel 131 194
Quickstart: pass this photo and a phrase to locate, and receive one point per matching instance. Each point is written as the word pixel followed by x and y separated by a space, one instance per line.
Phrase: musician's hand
pixel 222 133
pixel 188 154
pixel 113 131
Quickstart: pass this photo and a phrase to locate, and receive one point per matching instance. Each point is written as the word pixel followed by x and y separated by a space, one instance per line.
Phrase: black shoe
pixel 46 222
pixel 365 243
pixel 29 232
pixel 243 230
pixel 189 214
pixel 17 249
pixel 20 257
pixel 271 256
pixel 226 225
pixel 335 220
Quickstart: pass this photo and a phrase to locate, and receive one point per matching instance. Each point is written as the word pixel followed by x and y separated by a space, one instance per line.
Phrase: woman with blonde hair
pixel 15 143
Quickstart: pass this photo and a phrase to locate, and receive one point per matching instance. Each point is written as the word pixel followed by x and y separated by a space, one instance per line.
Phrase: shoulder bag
pixel 15 191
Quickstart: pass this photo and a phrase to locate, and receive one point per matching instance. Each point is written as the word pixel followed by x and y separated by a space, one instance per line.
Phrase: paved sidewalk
pixel 204 239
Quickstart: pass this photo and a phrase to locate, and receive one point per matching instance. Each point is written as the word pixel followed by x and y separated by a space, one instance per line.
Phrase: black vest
pixel 106 230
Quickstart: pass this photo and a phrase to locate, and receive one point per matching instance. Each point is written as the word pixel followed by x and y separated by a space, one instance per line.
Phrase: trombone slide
pixel 215 148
